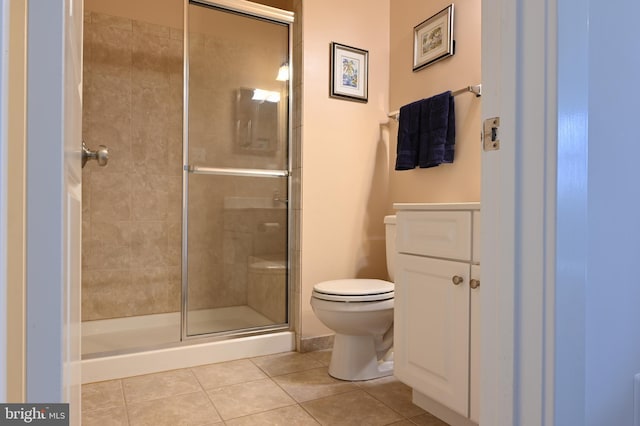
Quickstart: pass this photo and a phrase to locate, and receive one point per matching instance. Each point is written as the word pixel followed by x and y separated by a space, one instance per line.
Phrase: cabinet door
pixel 431 329
pixel 474 374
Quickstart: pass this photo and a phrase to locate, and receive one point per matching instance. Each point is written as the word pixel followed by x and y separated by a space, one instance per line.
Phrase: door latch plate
pixel 490 134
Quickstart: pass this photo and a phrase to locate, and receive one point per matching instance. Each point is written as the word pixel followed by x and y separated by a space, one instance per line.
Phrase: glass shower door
pixel 236 179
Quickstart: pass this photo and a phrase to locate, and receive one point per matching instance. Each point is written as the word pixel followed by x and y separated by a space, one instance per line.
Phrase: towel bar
pixel 476 90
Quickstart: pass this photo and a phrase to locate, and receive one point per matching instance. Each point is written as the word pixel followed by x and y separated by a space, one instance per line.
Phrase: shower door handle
pixel 225 171
pixel 101 155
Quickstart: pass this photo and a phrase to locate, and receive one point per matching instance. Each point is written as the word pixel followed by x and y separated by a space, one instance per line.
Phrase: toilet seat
pixel 354 290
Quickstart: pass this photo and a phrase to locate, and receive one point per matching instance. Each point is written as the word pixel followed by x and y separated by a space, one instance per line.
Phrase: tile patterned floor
pixel 282 389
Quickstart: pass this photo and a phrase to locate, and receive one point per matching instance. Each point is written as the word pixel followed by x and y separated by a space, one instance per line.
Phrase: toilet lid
pixel 354 290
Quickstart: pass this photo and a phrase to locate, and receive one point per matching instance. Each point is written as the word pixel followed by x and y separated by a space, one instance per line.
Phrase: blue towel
pixel 451 133
pixel 408 136
pixel 437 131
pixel 426 133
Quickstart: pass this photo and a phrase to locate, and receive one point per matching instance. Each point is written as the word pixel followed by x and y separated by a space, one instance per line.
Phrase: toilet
pixel 360 312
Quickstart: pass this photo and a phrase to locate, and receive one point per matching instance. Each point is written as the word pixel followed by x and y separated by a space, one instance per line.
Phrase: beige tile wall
pixel 296 153
pixel 225 56
pixel 132 208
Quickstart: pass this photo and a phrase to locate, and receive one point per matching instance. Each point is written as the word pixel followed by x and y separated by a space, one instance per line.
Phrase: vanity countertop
pixel 437 206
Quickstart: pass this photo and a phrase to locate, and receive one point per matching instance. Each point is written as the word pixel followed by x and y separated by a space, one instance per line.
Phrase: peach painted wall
pixel 459 181
pixel 344 152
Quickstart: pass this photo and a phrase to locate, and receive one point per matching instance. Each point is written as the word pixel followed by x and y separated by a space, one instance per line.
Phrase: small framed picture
pixel 433 39
pixel 349 73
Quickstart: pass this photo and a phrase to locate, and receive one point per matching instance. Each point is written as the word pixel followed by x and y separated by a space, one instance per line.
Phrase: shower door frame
pixel 277 16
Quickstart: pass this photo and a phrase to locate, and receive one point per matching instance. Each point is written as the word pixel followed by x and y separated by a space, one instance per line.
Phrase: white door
pixel 498 203
pixel 54 203
pixel 519 85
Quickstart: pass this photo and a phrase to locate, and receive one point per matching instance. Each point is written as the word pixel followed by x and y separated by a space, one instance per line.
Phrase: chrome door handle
pixel 101 155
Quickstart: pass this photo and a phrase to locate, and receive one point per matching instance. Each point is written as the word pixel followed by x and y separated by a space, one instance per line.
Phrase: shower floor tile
pixel 289 388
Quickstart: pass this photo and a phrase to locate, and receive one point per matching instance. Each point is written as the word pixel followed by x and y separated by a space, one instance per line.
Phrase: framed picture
pixel 349 73
pixel 433 39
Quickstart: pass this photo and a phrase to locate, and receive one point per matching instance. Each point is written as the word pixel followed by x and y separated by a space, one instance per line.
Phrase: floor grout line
pixel 124 402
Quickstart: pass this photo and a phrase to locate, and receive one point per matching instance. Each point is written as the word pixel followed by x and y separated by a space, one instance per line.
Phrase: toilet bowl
pixel 360 312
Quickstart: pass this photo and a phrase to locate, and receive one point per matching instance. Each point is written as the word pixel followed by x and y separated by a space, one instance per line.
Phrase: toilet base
pixel 355 358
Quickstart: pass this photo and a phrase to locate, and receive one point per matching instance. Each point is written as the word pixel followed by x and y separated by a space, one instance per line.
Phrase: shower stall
pixel 187 230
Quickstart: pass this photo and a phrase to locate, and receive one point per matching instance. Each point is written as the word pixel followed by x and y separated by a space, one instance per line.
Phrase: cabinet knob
pixel 474 284
pixel 457 280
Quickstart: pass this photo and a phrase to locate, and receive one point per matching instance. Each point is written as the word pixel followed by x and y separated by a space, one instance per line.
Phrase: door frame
pixel 534 193
pixel 518 203
pixel 45 263
pixel 53 202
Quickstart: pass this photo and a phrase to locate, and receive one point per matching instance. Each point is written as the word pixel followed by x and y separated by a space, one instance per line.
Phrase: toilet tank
pixel 390 238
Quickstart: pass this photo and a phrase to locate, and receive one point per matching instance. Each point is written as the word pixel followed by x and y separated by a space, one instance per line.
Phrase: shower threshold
pixel 121 334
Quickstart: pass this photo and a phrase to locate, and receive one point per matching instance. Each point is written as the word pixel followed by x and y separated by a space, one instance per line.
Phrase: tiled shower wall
pixel 296 154
pixel 235 217
pixel 132 207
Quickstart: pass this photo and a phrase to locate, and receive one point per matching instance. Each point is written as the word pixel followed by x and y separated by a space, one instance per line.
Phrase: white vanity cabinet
pixel 436 313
